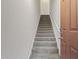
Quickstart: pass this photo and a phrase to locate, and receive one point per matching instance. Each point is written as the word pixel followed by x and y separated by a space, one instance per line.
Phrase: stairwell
pixel 45 46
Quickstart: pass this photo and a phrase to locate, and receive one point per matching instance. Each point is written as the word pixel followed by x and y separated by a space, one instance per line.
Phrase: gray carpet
pixel 45 46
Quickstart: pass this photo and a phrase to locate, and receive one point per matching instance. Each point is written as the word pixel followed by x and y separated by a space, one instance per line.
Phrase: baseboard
pixel 34 37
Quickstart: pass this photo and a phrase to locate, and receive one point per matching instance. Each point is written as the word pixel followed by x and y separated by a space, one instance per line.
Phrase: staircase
pixel 45 46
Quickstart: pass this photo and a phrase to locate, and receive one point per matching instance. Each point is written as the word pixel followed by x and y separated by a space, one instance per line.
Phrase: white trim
pixel 54 25
pixel 58 29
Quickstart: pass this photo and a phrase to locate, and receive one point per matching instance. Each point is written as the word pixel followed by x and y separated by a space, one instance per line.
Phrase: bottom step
pixel 45 56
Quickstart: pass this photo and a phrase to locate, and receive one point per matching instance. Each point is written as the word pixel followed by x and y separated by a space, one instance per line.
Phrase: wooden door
pixel 73 30
pixel 65 17
pixel 69 29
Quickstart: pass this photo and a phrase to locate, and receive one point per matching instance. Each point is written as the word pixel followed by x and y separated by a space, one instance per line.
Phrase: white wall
pixel 55 19
pixel 19 24
pixel 44 7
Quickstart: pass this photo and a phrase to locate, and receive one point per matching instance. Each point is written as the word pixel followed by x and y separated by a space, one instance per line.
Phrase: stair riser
pixel 45 56
pixel 41 57
pixel 44 39
pixel 45 24
pixel 45 51
pixel 45 29
pixel 44 32
pixel 44 35
pixel 45 45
